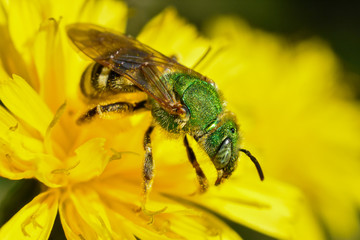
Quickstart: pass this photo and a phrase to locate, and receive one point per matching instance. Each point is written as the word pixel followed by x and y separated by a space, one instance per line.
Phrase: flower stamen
pixel 65 171
pixel 31 219
pixel 13 128
pixel 118 155
pixel 149 213
pixel 54 121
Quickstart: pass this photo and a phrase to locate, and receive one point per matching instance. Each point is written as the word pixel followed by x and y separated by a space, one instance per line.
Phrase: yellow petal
pixel 12 166
pixel 5 4
pixel 49 61
pixel 24 102
pixel 162 34
pixel 6 121
pixel 74 67
pixel 97 12
pixel 92 11
pixel 24 18
pixel 35 220
pixel 3 17
pixel 3 74
pixel 128 230
pixel 201 225
pixel 11 60
pixel 74 226
pixel 17 152
pixel 90 160
pixel 176 221
pixel 50 171
pixel 83 215
pixel 268 207
pixel 22 156
pixel 61 10
pixel 297 102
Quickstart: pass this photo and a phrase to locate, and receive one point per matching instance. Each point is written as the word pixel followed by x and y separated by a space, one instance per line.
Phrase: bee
pixel 181 100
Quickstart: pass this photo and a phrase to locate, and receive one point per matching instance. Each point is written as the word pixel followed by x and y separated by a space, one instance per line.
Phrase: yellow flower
pixel 298 117
pixel 92 173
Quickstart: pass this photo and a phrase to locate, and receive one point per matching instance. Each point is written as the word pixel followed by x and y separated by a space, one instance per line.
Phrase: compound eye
pixel 222 157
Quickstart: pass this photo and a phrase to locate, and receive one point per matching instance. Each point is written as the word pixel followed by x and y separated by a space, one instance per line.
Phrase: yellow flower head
pixel 92 173
pixel 297 117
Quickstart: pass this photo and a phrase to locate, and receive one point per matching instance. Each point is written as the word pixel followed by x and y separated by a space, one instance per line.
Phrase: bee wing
pixel 126 56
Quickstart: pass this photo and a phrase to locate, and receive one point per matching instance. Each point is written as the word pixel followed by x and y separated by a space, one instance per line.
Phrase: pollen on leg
pixel 98 110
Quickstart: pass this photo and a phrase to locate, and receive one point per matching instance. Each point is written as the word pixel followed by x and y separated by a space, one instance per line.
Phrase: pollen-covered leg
pixel 148 174
pixel 117 107
pixel 148 171
pixel 199 172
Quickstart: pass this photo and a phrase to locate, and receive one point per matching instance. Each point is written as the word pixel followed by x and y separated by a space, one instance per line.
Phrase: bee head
pixel 222 144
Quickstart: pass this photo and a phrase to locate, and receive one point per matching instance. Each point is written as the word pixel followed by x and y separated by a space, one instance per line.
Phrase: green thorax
pixel 201 99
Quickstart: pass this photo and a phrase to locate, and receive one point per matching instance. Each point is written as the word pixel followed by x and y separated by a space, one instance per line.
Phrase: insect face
pixel 222 145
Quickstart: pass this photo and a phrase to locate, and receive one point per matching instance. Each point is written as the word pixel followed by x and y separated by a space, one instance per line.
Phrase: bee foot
pixel 201 190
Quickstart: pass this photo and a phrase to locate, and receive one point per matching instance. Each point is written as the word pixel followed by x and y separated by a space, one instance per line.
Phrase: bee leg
pixel 117 107
pixel 199 172
pixel 148 174
pixel 148 170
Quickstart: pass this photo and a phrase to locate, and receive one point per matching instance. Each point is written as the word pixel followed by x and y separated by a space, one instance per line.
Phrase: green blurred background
pixel 336 22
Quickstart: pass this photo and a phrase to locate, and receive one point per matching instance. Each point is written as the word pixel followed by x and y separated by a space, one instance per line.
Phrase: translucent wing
pixel 142 65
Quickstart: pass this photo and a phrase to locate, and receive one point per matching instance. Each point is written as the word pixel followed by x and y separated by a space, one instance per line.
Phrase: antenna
pixel 202 58
pixel 255 161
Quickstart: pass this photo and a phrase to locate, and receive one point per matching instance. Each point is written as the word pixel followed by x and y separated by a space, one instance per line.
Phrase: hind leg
pixel 117 107
pixel 148 170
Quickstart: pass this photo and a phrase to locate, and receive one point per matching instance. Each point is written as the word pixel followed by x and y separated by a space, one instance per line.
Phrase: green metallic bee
pixel 181 100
